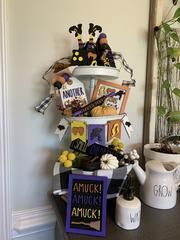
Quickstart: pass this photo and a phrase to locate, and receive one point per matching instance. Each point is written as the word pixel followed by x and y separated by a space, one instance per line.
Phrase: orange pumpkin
pixel 103 111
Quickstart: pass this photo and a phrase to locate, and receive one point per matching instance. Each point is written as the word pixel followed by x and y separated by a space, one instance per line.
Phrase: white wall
pixel 37 36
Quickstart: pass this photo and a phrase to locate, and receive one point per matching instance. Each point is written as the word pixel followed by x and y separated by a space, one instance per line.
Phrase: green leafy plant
pixel 168 90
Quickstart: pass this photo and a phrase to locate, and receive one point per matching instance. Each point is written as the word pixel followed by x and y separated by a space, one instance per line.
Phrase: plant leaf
pixel 174 117
pixel 174 36
pixel 166 84
pixel 166 27
pixel 177 13
pixel 173 52
pixel 161 111
pixel 176 91
pixel 177 65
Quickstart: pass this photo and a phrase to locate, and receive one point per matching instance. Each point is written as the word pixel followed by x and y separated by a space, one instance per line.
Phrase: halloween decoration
pixel 95 52
pixel 103 111
pixel 58 80
pixel 114 129
pixel 127 125
pixel 73 95
pixel 86 209
pixel 108 161
pixel 118 99
pixel 104 52
pixel 62 128
pixel 78 130
pixel 87 53
pixel 94 123
pixel 93 104
pixel 44 104
pixel 78 34
pixel 66 158
pixel 96 133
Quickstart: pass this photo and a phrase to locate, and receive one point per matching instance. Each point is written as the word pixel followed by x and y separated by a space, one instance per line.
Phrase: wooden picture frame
pixel 86 208
pixel 155 17
pixel 103 88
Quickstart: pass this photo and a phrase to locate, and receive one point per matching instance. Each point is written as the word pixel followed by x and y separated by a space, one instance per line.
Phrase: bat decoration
pixel 128 124
pixel 120 93
pixel 61 127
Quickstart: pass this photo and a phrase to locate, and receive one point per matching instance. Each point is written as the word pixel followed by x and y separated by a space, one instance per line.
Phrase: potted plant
pixel 167 130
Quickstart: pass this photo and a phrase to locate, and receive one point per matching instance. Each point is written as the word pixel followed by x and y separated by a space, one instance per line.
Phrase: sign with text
pixel 86 209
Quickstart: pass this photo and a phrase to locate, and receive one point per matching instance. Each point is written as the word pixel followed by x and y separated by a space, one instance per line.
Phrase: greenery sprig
pixel 168 59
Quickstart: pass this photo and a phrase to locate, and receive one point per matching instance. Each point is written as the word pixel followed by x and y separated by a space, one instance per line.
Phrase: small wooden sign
pixel 86 209
pixel 114 129
pixel 118 100
pixel 94 149
pixel 73 93
pixel 78 130
pixel 96 134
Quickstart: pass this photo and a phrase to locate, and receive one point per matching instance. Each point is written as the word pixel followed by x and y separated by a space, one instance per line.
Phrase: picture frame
pixel 155 13
pixel 104 87
pixel 86 207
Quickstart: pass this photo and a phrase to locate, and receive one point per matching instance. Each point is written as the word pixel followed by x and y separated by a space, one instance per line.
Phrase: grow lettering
pixel 162 191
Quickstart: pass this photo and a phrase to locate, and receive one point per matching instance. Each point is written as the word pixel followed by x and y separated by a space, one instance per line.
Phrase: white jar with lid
pixel 128 211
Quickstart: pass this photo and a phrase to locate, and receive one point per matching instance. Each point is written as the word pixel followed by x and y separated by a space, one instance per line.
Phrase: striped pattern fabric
pixel 44 104
pixel 116 178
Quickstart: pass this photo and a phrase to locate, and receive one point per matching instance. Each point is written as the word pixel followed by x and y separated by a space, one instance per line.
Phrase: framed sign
pixel 96 134
pixel 86 209
pixel 103 88
pixel 114 129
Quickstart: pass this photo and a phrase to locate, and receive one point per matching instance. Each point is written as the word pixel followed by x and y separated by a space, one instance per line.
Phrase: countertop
pixel 155 224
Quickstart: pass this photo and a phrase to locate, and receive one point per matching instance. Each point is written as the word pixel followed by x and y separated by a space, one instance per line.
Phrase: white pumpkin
pixel 108 161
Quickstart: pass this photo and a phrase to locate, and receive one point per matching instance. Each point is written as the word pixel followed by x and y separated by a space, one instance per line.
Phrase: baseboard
pixel 30 221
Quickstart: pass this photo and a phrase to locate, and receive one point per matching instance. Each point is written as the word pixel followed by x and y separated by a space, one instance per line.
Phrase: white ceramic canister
pixel 128 212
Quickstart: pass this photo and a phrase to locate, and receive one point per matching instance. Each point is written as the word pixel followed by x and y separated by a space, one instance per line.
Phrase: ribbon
pixel 44 104
pixel 119 56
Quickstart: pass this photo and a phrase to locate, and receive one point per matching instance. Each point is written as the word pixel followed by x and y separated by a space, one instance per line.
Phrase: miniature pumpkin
pixel 103 111
pixel 67 112
pixel 108 161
